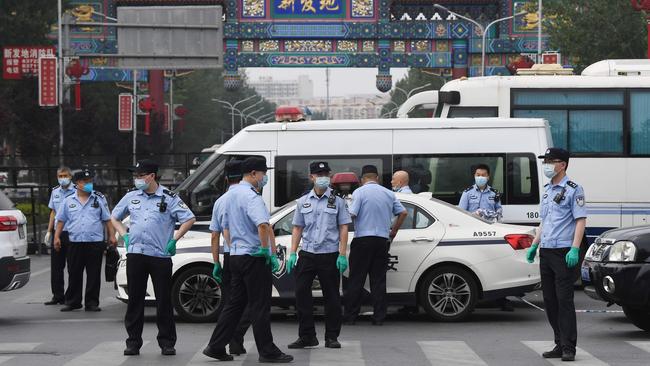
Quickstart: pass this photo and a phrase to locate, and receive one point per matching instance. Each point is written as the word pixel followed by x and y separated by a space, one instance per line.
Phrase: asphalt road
pixel 34 334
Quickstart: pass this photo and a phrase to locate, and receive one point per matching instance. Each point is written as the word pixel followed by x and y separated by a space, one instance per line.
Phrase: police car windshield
pixel 291 203
pixel 443 203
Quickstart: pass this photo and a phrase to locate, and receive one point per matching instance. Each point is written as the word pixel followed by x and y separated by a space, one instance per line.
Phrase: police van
pixel 439 155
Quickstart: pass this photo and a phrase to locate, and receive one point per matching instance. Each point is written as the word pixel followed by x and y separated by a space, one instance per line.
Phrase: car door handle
pixel 421 238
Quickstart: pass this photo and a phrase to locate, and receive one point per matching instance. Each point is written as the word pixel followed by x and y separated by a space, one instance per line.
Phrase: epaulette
pixel 547 184
pixel 169 193
pixel 572 184
pixel 496 191
pixel 56 186
pixel 468 189
pixel 99 194
pixel 133 189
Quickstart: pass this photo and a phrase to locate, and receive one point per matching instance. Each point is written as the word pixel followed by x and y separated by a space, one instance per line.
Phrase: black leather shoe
pixel 54 301
pixel 332 343
pixel 554 353
pixel 303 342
pixel 93 308
pixel 131 351
pixel 168 351
pixel 568 356
pixel 220 355
pixel 237 349
pixel 378 322
pixel 279 358
pixel 70 308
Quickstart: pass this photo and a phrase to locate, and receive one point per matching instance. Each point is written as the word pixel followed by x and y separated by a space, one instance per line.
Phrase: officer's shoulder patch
pixel 99 194
pixel 580 200
pixel 571 184
pixel 169 193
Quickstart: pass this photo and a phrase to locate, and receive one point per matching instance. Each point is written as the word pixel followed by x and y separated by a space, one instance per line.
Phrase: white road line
pixel 201 359
pixel 6 348
pixel 105 354
pixel 350 354
pixel 450 353
pixel 582 357
pixel 640 344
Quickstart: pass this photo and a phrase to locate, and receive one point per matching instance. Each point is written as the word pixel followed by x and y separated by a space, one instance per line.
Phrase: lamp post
pixel 232 109
pixel 480 26
pixel 644 5
pixel 241 121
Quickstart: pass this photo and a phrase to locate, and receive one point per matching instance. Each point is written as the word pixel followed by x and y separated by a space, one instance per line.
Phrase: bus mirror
pixel 449 97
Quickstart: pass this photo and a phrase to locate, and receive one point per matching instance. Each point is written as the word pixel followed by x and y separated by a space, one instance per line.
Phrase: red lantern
pixel 76 70
pixel 180 111
pixel 147 106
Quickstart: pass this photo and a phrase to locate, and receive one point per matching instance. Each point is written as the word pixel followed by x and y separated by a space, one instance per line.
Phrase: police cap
pixel 82 174
pixel 257 163
pixel 145 166
pixel 319 167
pixel 369 169
pixel 555 153
pixel 233 169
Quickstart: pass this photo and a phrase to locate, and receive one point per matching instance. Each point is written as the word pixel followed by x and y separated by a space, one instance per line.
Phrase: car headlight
pixel 622 251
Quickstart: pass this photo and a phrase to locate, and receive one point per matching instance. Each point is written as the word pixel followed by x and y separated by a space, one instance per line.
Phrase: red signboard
pixel 167 114
pixel 48 87
pixel 125 122
pixel 22 61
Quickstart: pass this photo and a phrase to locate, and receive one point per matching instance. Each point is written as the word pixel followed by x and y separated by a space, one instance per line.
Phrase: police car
pixel 443 259
pixel 14 262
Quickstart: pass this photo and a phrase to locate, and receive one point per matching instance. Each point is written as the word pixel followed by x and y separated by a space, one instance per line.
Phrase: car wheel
pixel 196 295
pixel 448 293
pixel 638 316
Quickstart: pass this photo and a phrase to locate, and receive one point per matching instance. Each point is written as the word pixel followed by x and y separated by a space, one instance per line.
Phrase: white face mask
pixel 64 182
pixel 549 170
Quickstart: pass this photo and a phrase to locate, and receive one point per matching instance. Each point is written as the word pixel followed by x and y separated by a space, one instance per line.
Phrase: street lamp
pixel 241 121
pixel 483 29
pixel 418 88
pixel 232 109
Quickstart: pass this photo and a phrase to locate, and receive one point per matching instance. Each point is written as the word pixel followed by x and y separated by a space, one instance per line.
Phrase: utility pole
pixel 539 32
pixel 327 100
pixel 60 77
pixel 171 112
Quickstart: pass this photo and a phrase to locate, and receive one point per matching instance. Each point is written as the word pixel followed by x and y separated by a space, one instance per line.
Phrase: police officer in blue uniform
pixel 150 242
pixel 560 234
pixel 86 216
pixel 373 207
pixel 251 261
pixel 58 257
pixel 321 223
pixel 480 198
pixel 222 275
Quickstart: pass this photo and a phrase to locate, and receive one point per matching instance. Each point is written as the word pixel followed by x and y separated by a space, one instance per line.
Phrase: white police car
pixel 14 262
pixel 443 259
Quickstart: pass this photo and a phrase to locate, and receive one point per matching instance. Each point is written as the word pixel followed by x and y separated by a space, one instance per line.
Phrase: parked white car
pixel 14 262
pixel 443 259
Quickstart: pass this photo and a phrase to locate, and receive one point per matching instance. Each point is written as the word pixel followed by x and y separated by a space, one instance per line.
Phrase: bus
pixel 602 117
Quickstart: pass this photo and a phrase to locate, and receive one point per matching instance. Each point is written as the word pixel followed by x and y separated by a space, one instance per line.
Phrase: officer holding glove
pixel 321 222
pixel 150 242
pixel 560 234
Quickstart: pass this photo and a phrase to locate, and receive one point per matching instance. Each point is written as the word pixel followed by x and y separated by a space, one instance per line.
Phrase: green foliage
pixel 592 30
pixel 414 79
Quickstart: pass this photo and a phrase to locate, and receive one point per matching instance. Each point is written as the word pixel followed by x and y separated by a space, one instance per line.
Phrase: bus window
pixel 557 120
pixel 473 112
pixel 596 131
pixel 292 172
pixel 640 123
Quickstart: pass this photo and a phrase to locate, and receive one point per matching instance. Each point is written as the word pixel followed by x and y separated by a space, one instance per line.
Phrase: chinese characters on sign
pixel 22 61
pixel 306 8
pixel 166 116
pixel 48 88
pixel 125 122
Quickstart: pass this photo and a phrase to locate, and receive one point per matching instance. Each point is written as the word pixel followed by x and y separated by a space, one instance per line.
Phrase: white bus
pixel 602 117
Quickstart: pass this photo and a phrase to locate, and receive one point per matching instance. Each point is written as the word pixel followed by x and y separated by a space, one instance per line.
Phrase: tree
pixel 415 78
pixel 592 30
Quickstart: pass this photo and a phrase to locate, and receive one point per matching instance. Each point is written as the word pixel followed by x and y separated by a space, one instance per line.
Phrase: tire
pixel 448 293
pixel 196 296
pixel 638 316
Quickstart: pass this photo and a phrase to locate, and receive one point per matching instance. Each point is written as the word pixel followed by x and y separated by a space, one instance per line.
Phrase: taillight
pixel 8 223
pixel 519 241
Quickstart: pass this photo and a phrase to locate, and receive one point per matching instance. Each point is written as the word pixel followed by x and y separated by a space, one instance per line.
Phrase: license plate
pixel 21 232
pixel 585 274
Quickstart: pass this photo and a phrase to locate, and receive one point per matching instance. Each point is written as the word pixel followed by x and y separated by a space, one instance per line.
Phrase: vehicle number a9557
pixel 484 233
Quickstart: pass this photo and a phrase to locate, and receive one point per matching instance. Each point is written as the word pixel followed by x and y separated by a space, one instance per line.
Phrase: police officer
pixel 560 234
pixel 250 257
pixel 480 198
pixel 400 182
pixel 373 208
pixel 150 242
pixel 321 221
pixel 58 257
pixel 222 275
pixel 86 216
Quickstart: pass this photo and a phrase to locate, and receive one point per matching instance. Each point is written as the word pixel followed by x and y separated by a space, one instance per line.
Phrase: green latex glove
pixel 342 263
pixel 291 262
pixel 216 272
pixel 265 253
pixel 125 238
pixel 275 264
pixel 171 247
pixel 531 252
pixel 572 257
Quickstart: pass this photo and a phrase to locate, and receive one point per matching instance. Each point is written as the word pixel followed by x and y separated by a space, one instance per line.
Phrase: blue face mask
pixel 64 182
pixel 140 183
pixel 480 181
pixel 263 182
pixel 322 182
pixel 549 170
pixel 88 187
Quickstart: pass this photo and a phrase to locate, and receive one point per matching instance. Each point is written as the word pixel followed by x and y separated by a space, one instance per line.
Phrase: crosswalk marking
pixel 201 359
pixel 349 354
pixel 450 353
pixel 7 348
pixel 582 357
pixel 640 344
pixel 105 354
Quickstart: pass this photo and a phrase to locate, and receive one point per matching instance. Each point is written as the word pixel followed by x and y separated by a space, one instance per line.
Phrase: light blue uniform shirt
pixel 84 221
pixel 246 210
pixel 218 213
pixel 150 230
pixel 405 189
pixel 486 200
pixel 320 217
pixel 58 195
pixel 559 219
pixel 374 207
